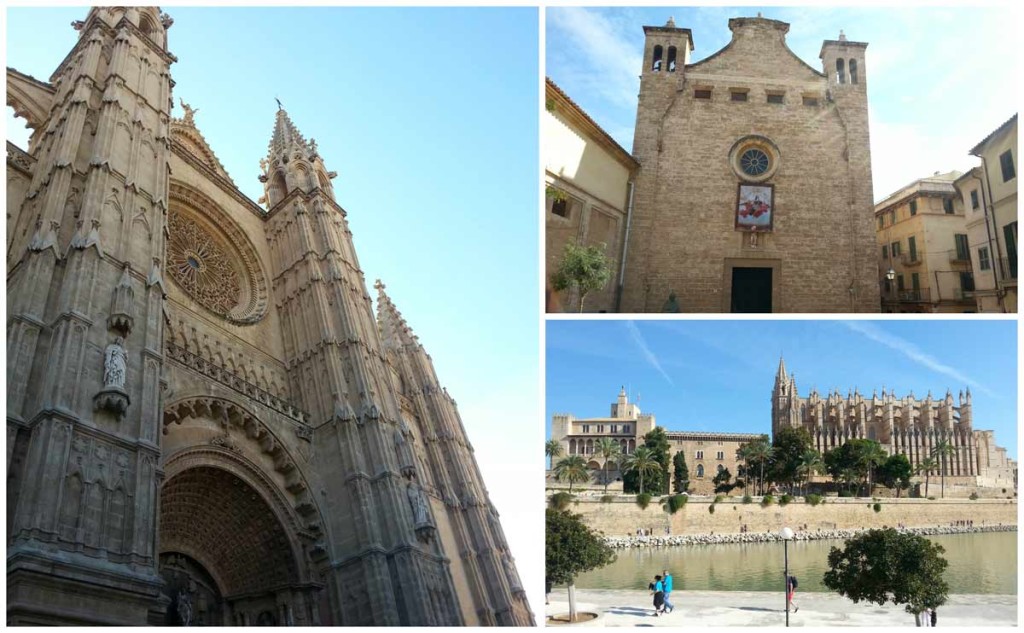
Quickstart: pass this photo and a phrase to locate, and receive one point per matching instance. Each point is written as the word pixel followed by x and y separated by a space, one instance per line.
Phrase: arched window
pixel 721 468
pixel 632 446
pixel 656 65
pixel 624 446
pixel 572 447
pixel 700 471
pixel 325 182
pixel 840 72
pixel 671 59
pixel 853 71
pixel 590 447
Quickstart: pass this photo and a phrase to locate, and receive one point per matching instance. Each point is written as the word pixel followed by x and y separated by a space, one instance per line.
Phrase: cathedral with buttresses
pixel 206 422
pixel 901 424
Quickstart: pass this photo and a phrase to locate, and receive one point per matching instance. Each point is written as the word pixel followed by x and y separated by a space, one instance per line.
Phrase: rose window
pixel 754 162
pixel 754 159
pixel 202 266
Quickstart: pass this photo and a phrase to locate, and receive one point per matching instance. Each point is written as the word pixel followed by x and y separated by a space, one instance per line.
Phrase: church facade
pixel 904 425
pixel 206 421
pixel 754 192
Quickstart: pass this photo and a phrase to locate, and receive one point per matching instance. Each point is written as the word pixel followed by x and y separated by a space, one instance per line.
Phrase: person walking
pixel 935 617
pixel 791 584
pixel 666 583
pixel 658 589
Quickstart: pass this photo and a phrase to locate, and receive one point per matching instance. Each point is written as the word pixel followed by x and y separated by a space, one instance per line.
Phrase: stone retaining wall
pixel 623 517
pixel 620 542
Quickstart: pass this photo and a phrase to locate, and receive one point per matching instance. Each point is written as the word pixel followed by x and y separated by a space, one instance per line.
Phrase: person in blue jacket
pixel 666 583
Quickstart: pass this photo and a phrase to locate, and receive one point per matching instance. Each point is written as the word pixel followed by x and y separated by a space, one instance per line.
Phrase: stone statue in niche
pixel 184 608
pixel 419 504
pixel 115 365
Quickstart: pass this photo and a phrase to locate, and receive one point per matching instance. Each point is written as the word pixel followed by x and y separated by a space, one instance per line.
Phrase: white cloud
pixel 606 62
pixel 913 352
pixel 638 338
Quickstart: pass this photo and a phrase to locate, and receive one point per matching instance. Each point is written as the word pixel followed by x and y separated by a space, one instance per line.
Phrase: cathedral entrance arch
pixel 233 547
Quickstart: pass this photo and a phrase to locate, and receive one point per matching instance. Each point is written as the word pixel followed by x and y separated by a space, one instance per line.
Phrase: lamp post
pixel 890 275
pixel 787 536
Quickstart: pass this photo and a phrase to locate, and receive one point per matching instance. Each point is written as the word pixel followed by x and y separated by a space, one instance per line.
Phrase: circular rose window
pixel 211 259
pixel 754 158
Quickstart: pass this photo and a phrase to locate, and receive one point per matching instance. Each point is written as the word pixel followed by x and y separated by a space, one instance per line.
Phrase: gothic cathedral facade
pixel 206 422
pixel 754 192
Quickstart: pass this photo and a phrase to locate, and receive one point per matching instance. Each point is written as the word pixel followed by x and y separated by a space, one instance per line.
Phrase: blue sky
pixel 937 76
pixel 718 375
pixel 429 116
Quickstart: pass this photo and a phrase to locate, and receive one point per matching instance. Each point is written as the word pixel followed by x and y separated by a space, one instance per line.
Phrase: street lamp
pixel 787 536
pixel 890 275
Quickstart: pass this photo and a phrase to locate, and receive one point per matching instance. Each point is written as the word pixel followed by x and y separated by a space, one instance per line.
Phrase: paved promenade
pixel 762 608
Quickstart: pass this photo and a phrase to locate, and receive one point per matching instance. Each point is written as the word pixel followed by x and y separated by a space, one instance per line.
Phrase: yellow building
pixel 989 194
pixel 924 256
pixel 587 183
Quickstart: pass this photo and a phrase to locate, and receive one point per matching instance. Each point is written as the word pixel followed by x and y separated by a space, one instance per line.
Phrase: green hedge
pixel 560 500
pixel 643 500
pixel 676 502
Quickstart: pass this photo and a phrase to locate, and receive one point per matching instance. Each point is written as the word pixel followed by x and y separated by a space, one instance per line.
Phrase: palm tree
pixel 872 457
pixel 642 461
pixel 759 451
pixel 572 469
pixel 607 449
pixel 943 451
pixel 926 466
pixel 810 463
pixel 552 449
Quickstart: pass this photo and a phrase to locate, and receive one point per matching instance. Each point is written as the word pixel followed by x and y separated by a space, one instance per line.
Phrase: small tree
pixel 572 469
pixel 552 449
pixel 943 451
pixel 680 474
pixel 607 449
pixel 895 473
pixel 721 481
pixel 642 462
pixel 886 566
pixel 583 267
pixel 926 466
pixel 571 548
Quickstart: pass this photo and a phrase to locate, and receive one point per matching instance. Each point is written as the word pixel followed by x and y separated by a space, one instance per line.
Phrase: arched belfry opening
pixel 656 63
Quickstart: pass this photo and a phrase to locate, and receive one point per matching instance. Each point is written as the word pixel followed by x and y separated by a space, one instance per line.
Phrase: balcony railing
pixel 910 259
pixel 959 258
pixel 1007 268
pixel 912 296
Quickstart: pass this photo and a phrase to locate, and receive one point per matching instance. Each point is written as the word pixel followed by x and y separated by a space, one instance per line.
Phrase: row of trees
pixel 790 460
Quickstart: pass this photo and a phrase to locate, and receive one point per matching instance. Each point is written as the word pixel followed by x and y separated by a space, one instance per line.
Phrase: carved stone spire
pixel 394 331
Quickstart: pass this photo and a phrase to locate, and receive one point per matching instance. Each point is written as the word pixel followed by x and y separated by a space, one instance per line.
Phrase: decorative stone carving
pixel 201 265
pixel 420 511
pixel 184 608
pixel 115 364
pixel 122 304
pixel 113 397
pixel 406 460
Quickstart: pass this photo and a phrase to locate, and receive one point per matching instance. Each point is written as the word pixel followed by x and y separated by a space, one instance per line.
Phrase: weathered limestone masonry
pixel 693 121
pixel 206 424
pixel 624 517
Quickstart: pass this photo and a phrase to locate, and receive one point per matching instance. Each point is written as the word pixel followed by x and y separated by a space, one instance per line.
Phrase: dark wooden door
pixel 751 290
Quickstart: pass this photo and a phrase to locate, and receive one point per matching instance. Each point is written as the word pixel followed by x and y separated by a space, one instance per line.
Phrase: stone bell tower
pixel 388 567
pixel 85 326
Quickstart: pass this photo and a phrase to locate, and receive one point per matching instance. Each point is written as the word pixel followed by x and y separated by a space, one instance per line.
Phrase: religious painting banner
pixel 754 207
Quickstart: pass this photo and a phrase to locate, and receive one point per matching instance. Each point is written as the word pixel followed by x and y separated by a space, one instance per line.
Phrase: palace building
pixel 207 424
pixel 754 191
pixel 706 453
